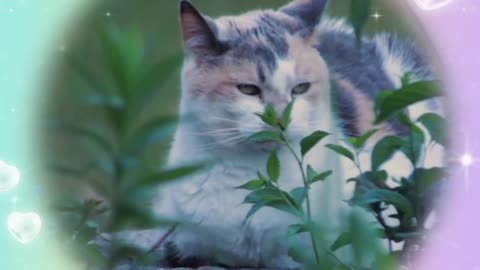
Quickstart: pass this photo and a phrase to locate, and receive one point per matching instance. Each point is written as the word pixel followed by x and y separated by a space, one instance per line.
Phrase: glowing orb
pixel 432 4
pixel 466 160
pixel 9 176
pixel 24 226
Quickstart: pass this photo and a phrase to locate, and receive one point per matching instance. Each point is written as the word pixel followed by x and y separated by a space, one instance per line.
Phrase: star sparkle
pixel 376 15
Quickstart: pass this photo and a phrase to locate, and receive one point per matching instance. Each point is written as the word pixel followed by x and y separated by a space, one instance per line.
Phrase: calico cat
pixel 234 67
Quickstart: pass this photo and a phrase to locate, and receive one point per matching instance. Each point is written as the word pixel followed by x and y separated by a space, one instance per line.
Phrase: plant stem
pixel 357 161
pixel 307 197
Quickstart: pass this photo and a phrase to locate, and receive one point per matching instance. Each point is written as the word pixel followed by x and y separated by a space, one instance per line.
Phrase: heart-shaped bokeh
pixel 431 4
pixel 9 176
pixel 24 226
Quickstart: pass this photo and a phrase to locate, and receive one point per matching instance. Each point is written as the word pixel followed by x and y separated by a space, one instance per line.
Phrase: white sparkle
pixel 466 160
pixel 376 15
pixel 108 14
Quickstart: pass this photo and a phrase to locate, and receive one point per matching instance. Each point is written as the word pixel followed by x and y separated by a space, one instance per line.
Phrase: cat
pixel 234 66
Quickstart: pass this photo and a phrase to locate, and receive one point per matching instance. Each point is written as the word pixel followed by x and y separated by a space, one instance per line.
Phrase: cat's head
pixel 235 66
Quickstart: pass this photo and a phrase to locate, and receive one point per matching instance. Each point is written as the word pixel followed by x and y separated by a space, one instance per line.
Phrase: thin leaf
pixel 359 15
pixel 273 167
pixel 413 144
pixel 310 141
pixel 286 115
pixel 269 116
pixel 150 133
pixel 264 136
pixel 252 185
pixel 166 175
pixel 298 195
pixel 157 76
pixel 342 151
pixel 384 150
pixel 406 96
pixel 361 140
pixel 389 197
pixel 436 126
pixel 426 178
pixel 343 239
pixel 253 210
pixel 313 176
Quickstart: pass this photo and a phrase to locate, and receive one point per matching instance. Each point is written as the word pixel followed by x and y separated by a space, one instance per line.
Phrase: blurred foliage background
pixel 158 22
pixel 112 102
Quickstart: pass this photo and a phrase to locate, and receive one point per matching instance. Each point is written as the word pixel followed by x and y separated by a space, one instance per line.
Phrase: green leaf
pixel 389 197
pixel 273 197
pixel 286 115
pixel 264 195
pixel 295 229
pixel 342 151
pixel 313 176
pixel 252 185
pixel 384 150
pixel 413 144
pixel 359 15
pixel 310 141
pixel 381 97
pixel 156 76
pixel 436 126
pixel 298 195
pixel 113 58
pixel 406 78
pixel 253 210
pixel 269 116
pixel 132 216
pixel 426 178
pixel 149 133
pixel 360 141
pixel 165 176
pixel 343 239
pixel 273 167
pixel 263 136
pixel 406 96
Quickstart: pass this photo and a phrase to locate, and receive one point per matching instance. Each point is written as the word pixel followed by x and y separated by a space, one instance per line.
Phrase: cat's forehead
pixel 259 36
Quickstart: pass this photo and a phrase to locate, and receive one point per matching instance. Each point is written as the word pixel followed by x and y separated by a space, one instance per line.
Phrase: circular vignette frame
pixel 451 26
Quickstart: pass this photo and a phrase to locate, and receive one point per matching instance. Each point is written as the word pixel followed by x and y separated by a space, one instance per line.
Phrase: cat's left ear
pixel 307 12
pixel 198 32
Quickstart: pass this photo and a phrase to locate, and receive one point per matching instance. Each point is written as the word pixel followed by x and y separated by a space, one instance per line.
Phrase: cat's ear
pixel 308 12
pixel 198 34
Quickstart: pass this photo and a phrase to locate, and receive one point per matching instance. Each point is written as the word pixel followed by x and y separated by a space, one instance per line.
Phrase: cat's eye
pixel 301 89
pixel 249 89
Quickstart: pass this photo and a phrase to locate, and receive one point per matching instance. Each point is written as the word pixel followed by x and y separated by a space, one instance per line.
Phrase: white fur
pixel 209 202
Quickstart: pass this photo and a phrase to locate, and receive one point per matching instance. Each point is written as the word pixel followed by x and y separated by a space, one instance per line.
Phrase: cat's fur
pixel 275 50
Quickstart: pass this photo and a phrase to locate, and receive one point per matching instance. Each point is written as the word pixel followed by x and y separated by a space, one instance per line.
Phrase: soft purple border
pixel 455 31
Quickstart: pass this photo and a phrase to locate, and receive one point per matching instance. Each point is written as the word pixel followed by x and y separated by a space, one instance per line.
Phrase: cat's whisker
pixel 233 140
pixel 234 121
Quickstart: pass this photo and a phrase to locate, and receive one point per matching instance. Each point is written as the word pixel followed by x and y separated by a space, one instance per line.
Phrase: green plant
pixel 119 186
pixel 409 197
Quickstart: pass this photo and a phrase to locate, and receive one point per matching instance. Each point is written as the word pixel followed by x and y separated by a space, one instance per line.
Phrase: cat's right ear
pixel 198 34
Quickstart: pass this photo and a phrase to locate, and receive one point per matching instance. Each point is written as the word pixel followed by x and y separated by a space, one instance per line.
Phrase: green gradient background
pixel 29 32
pixel 32 33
